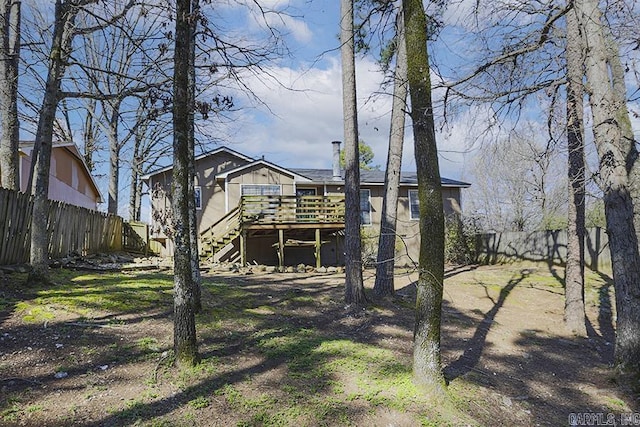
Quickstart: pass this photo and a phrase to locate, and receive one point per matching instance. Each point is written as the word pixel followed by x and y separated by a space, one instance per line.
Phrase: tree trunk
pixel 193 219
pixel 65 14
pixel 9 123
pixel 137 161
pixel 114 155
pixel 385 265
pixel 89 135
pixel 354 288
pixel 136 184
pixel 427 365
pixel 184 336
pixel 618 157
pixel 574 312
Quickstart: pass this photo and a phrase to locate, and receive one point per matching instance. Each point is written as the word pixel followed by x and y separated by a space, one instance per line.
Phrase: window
pixel 300 192
pixel 365 207
pixel 414 204
pixel 197 191
pixel 260 190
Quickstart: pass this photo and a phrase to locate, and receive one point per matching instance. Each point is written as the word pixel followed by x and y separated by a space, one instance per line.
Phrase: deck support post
pixel 318 246
pixel 243 248
pixel 281 249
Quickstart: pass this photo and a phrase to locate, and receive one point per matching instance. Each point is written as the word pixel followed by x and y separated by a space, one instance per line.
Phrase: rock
pixel 60 375
pixel 124 258
pixel 290 270
pixel 21 269
pixel 271 269
pixel 332 270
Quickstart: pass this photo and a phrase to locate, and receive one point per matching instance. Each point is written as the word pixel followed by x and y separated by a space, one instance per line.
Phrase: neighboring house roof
pixel 72 148
pixel 202 156
pixel 374 177
pixel 284 171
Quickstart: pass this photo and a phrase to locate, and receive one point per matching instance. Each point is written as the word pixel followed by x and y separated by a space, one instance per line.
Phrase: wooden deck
pixel 289 217
pixel 303 221
pixel 293 211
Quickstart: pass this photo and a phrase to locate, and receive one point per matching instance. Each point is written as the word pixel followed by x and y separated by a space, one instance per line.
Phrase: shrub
pixel 459 240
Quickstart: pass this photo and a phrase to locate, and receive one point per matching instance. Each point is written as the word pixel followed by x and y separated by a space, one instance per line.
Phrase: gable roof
pixel 284 171
pixel 72 148
pixel 318 176
pixel 374 177
pixel 202 156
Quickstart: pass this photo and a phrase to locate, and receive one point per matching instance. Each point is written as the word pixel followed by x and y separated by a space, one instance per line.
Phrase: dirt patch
pixel 283 349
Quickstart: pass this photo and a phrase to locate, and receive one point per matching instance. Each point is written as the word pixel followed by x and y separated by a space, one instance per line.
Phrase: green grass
pixel 89 295
pixel 320 377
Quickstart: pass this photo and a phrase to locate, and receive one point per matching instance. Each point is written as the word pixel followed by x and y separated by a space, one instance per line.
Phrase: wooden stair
pixel 220 234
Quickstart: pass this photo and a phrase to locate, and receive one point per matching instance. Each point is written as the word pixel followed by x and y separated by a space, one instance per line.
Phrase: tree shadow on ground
pixel 607 333
pixel 248 329
pixel 472 353
pixel 546 375
pixel 279 339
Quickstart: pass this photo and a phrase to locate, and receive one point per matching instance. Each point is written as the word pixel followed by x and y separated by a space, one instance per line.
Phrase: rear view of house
pixel 251 210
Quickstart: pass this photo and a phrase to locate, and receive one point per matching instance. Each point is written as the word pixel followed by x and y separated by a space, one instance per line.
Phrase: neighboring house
pixel 70 180
pixel 252 210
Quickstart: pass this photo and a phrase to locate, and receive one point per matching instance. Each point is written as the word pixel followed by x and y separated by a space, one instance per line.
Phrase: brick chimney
pixel 336 161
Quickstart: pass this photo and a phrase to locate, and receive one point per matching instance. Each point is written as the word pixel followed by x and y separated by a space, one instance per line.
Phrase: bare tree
pixel 191 100
pixel 184 336
pixel 63 33
pixel 518 183
pixel 354 288
pixel 618 173
pixel 427 364
pixel 148 149
pixel 65 29
pixel 574 311
pixel 384 283
pixel 9 123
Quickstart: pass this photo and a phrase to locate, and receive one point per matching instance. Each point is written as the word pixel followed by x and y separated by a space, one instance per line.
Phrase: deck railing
pixel 292 209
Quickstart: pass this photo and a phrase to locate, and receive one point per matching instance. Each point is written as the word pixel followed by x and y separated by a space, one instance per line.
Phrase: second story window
pixel 365 207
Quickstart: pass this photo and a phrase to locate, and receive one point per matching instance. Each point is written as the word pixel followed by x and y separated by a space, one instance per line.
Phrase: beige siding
pixel 213 192
pixel 220 196
pixel 407 229
pixel 257 175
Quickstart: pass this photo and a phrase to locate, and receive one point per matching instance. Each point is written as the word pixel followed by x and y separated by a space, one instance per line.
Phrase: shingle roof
pixel 375 177
pixel 372 177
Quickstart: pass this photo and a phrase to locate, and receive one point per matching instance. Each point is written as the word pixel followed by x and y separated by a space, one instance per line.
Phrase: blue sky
pixel 297 128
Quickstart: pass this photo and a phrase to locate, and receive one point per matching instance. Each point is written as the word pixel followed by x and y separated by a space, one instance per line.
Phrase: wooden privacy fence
pixel 70 228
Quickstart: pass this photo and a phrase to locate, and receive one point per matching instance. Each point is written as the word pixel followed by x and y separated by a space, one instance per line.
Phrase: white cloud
pixel 307 116
pixel 296 28
pixel 273 14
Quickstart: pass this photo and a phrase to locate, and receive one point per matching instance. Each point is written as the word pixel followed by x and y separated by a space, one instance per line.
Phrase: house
pixel 70 180
pixel 251 210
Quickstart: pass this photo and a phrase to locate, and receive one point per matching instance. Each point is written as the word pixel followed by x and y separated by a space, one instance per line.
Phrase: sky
pixel 300 108
pixel 304 113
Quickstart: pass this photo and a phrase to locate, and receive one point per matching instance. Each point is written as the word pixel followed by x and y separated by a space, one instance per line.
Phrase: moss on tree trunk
pixel 427 366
